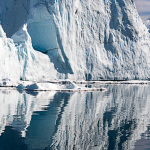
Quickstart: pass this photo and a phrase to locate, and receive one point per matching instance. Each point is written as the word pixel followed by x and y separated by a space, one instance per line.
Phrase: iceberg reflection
pixel 17 108
pixel 111 120
pixel 114 119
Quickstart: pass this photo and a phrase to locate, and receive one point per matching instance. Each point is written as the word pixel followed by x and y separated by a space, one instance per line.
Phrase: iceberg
pixel 76 40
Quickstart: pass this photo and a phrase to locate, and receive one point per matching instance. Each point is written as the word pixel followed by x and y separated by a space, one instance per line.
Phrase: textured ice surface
pixel 20 61
pixel 147 23
pixel 82 39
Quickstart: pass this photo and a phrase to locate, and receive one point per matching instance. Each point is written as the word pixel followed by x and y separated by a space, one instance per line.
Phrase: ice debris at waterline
pixel 76 40
pixel 68 86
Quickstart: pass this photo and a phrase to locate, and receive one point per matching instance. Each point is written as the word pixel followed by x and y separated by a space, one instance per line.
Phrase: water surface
pixel 117 119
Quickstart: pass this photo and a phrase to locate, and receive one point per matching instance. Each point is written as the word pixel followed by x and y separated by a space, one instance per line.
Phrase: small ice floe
pixel 71 86
pixel 38 86
pixel 22 84
pixel 147 82
pixel 68 86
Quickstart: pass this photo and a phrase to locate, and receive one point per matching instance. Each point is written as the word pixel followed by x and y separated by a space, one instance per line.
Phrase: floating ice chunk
pixel 41 87
pixel 71 85
pixel 33 87
pixel 20 86
pixel 66 86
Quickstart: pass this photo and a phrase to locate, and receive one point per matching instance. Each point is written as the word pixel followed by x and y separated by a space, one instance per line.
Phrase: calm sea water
pixel 117 119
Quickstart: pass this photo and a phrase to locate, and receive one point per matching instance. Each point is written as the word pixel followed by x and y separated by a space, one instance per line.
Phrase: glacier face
pixel 90 40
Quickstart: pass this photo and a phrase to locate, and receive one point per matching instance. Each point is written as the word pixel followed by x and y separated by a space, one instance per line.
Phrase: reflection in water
pixel 110 120
pixel 16 108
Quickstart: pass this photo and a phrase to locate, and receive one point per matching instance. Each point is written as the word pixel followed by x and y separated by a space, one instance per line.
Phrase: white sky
pixel 143 7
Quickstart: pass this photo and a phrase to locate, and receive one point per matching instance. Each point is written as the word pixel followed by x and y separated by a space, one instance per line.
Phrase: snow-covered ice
pixel 147 23
pixel 68 86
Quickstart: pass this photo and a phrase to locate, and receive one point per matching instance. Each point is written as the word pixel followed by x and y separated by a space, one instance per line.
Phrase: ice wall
pixel 90 40
pixel 9 62
pixel 19 61
pixel 107 39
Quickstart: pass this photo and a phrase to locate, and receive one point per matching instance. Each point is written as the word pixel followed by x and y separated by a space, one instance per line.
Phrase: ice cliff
pixel 75 39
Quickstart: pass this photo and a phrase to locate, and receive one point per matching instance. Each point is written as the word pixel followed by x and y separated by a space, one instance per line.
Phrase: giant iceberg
pixel 73 39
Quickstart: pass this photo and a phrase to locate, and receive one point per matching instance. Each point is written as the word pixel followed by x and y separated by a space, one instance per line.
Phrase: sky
pixel 143 7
